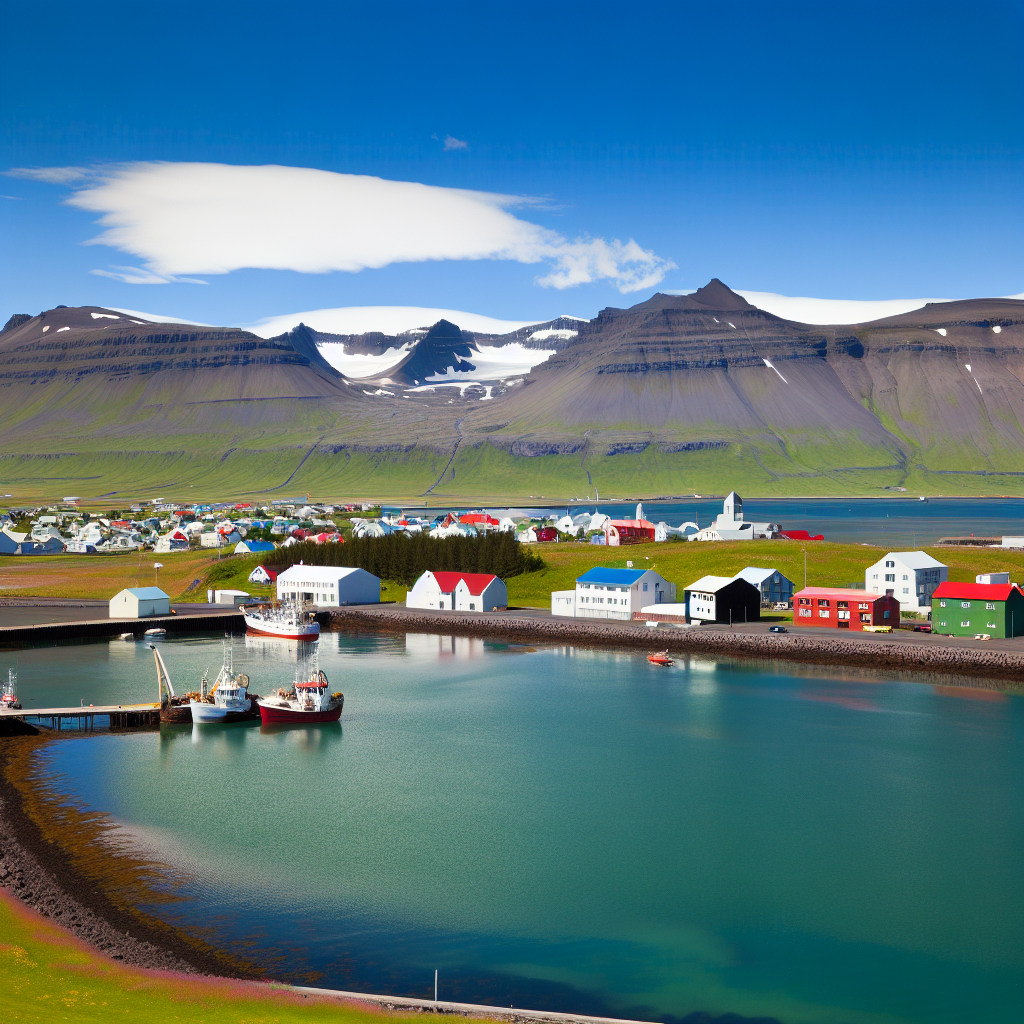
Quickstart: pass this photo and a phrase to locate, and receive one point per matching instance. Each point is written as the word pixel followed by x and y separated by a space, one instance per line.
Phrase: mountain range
pixel 677 394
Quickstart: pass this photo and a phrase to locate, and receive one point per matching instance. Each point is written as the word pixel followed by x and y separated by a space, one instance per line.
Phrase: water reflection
pixel 431 646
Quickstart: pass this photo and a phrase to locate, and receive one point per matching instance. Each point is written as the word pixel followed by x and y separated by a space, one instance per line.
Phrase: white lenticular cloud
pixel 191 218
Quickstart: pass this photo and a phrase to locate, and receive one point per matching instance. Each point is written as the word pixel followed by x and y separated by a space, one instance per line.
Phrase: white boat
pixel 227 699
pixel 125 636
pixel 9 697
pixel 156 632
pixel 284 620
pixel 309 700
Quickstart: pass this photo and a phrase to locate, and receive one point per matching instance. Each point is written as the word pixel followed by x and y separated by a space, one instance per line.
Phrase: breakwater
pixel 891 653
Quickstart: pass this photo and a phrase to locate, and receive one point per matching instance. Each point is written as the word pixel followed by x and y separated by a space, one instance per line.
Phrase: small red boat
pixel 308 701
pixel 660 658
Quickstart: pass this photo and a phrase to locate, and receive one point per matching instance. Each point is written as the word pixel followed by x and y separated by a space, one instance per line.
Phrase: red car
pixel 923 627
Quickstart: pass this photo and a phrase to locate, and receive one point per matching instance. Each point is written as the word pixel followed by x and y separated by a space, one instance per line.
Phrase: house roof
pixel 476 581
pixel 711 583
pixel 914 560
pixel 635 524
pixel 845 593
pixel 145 593
pixel 271 573
pixel 611 577
pixel 323 573
pixel 756 575
pixel 978 591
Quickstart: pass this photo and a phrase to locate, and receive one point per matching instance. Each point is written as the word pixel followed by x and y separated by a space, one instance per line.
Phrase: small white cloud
pixel 138 275
pixel 51 175
pixel 450 142
pixel 189 218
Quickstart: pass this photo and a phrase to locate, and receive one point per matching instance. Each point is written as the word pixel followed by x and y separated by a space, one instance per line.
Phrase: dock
pixel 122 716
pixel 185 621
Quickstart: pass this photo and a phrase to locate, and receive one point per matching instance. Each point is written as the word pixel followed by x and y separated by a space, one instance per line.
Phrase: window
pixel 906 590
pixel 865 617
pixel 645 588
pixel 890 565
pixel 885 614
pixel 875 576
pixel 842 604
pixel 823 613
pixel 472 606
pixel 805 612
pixel 863 606
pixel 991 625
pixel 890 577
pixel 905 578
pixel 822 602
pixel 965 604
pixel 942 604
pixel 965 624
pixel 990 606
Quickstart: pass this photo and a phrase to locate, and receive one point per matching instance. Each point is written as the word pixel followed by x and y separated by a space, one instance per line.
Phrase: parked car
pixel 923 627
pixel 878 629
pixel 777 629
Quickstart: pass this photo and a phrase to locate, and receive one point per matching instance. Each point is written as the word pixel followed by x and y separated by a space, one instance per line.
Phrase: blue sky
pixel 859 151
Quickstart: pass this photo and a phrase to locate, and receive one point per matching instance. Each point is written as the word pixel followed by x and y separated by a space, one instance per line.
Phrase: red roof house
pixel 458 591
pixel 628 531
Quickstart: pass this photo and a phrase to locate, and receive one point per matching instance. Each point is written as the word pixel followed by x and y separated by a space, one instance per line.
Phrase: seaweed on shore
pixel 91 865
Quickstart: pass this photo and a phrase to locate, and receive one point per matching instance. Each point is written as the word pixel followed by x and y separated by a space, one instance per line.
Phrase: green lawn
pixel 682 564
pixel 50 976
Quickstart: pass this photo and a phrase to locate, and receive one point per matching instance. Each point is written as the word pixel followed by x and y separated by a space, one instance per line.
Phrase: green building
pixel 965 609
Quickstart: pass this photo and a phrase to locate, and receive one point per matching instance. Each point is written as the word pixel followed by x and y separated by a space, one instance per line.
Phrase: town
pixel 275 544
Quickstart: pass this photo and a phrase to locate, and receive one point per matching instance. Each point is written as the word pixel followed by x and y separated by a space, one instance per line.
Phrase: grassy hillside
pixel 85 576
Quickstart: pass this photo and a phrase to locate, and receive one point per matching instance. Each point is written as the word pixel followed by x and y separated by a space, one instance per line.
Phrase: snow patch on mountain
pixel 386 319
pixel 359 364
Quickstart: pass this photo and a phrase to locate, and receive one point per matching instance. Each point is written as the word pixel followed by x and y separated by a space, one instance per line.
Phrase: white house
pixel 458 591
pixel 614 593
pixel 232 597
pixel 327 585
pixel 138 602
pixel 174 540
pixel 910 576
pixel 261 574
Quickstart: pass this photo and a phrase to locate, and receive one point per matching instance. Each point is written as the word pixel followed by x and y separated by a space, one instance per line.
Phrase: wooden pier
pixel 121 716
pixel 185 622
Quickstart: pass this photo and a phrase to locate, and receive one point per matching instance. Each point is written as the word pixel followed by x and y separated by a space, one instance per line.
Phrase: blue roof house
pixel 613 594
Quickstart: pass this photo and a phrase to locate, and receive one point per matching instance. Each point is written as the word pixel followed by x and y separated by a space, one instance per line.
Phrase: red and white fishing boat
pixel 287 621
pixel 9 697
pixel 309 699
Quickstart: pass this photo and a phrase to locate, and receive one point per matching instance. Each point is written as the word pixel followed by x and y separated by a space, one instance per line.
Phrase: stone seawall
pixel 891 653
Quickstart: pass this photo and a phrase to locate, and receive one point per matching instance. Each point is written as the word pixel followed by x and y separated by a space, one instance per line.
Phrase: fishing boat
pixel 227 700
pixel 660 658
pixel 307 701
pixel 178 708
pixel 9 696
pixel 286 621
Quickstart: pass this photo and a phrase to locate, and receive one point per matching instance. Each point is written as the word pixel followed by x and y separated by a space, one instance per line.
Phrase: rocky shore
pixel 891 653
pixel 37 873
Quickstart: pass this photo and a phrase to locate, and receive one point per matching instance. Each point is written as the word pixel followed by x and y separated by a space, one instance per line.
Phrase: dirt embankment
pixel 1002 668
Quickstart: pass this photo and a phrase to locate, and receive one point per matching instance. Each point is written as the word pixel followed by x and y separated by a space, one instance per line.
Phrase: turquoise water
pixel 579 830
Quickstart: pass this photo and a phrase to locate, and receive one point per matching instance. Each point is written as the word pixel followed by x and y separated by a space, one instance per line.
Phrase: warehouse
pixel 138 602
pixel 327 585
pixel 840 608
pixel 967 609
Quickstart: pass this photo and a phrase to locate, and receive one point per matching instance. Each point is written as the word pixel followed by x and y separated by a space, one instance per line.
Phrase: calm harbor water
pixel 898 523
pixel 579 830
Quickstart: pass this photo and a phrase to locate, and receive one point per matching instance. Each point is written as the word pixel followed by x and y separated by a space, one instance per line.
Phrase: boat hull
pixel 272 715
pixel 305 631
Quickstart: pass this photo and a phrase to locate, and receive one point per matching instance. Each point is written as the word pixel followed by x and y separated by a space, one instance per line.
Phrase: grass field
pixel 92 576
pixel 50 976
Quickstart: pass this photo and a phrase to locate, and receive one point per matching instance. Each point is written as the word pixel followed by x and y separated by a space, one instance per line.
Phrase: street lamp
pixel 157 566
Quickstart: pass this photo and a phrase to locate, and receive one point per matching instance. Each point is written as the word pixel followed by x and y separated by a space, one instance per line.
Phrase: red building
pixel 839 608
pixel 628 531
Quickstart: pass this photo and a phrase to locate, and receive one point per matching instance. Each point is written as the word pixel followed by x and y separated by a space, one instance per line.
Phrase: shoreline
pixel 974 667
pixel 39 873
